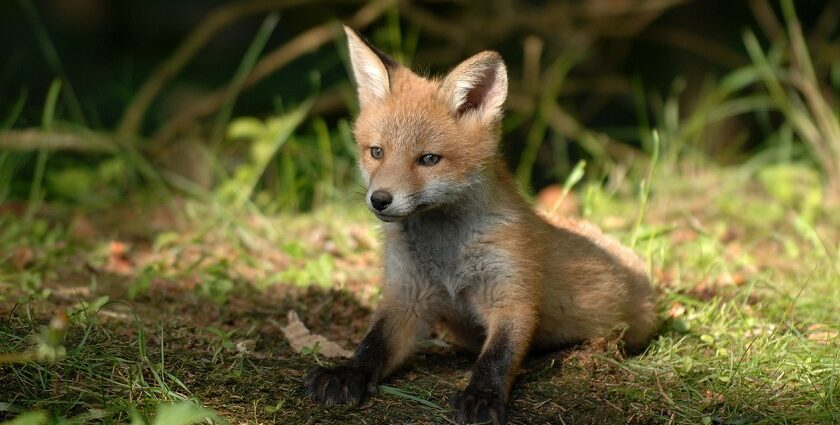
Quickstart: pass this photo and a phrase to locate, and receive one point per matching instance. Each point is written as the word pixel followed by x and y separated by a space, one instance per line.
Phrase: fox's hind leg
pixel 403 317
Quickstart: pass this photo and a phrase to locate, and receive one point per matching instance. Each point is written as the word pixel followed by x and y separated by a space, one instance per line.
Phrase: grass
pixel 749 335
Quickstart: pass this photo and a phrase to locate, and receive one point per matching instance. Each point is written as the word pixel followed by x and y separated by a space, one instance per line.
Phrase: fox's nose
pixel 380 199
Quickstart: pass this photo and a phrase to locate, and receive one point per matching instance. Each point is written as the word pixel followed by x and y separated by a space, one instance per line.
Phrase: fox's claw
pixel 476 406
pixel 339 385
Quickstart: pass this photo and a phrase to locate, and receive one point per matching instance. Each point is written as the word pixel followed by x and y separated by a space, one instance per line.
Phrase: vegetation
pixel 148 258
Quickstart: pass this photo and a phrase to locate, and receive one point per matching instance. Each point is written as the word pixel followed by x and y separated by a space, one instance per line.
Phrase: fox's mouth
pixel 389 218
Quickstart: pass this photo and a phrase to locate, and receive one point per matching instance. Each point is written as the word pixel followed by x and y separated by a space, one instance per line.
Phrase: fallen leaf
pixel 117 248
pixel 665 277
pixel 118 261
pixel 554 203
pixel 82 228
pixel 13 208
pixel 683 235
pixel 71 292
pixel 22 257
pixel 710 397
pixel 246 346
pixel 821 333
pixel 676 310
pixel 299 337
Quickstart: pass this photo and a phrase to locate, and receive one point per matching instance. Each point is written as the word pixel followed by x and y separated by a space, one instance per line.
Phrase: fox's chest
pixel 453 254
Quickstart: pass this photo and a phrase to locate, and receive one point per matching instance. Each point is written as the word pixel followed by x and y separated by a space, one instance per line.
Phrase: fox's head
pixel 424 143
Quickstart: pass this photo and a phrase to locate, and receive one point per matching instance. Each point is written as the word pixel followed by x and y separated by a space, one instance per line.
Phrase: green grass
pixel 750 335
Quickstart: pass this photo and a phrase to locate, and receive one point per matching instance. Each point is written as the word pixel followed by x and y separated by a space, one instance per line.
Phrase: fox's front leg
pixel 405 315
pixel 510 324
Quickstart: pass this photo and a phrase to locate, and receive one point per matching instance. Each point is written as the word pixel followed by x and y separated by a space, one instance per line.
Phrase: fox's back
pixel 592 284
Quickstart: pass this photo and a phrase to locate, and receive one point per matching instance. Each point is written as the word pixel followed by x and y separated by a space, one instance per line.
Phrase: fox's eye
pixel 429 159
pixel 376 152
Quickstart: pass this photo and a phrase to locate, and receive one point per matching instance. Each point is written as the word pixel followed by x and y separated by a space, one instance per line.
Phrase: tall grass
pixel 51 56
pixel 35 191
pixel 316 159
pixel 788 76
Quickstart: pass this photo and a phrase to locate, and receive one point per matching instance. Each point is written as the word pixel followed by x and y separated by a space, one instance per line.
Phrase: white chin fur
pixel 390 218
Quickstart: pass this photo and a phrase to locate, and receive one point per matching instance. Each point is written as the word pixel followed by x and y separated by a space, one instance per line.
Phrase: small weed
pixel 225 342
pixel 386 389
pixel 313 352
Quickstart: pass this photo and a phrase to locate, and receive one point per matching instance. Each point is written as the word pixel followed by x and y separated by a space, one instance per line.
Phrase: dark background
pixel 632 57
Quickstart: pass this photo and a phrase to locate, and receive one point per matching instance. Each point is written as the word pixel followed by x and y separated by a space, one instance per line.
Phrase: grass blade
pixel 35 190
pixel 245 66
pixel 400 393
pixel 48 116
pixel 17 108
pixel 51 57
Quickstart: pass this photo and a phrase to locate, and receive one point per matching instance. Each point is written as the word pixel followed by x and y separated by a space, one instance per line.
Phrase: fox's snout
pixel 389 205
pixel 380 200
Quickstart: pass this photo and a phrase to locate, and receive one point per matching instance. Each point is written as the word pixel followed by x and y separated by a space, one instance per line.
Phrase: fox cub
pixel 463 250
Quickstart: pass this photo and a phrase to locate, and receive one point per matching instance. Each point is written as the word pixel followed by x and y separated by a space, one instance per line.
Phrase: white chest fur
pixel 446 250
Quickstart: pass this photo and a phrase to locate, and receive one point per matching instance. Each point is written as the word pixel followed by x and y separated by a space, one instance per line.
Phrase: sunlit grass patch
pixel 749 333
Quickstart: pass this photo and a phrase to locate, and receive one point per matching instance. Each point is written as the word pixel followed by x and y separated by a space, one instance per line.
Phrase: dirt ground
pixel 569 386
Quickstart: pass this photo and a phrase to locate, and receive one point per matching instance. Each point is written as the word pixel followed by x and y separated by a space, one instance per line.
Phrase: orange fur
pixel 463 248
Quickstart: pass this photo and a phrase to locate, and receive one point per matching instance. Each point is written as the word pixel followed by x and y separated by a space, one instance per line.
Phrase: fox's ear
pixel 477 86
pixel 370 69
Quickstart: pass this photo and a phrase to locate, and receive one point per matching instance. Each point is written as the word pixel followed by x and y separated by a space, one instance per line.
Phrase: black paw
pixel 476 406
pixel 338 385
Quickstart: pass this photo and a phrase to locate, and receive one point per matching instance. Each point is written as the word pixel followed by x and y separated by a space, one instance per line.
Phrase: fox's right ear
pixel 370 69
pixel 477 87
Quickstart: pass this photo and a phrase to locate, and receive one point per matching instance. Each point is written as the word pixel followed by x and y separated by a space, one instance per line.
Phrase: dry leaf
pixel 82 228
pixel 822 334
pixel 676 311
pixel 299 337
pixel 22 257
pixel 246 346
pixel 118 261
pixel 554 204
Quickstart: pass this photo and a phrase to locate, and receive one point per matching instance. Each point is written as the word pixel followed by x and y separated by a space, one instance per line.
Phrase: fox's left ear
pixel 478 86
pixel 371 69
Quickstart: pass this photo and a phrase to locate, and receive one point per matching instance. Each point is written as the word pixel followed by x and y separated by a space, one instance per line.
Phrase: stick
pixel 200 36
pixel 35 138
pixel 298 46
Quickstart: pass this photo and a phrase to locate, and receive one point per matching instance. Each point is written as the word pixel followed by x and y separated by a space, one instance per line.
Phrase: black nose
pixel 380 199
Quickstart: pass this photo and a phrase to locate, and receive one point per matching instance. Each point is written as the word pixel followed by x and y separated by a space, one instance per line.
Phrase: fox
pixel 463 249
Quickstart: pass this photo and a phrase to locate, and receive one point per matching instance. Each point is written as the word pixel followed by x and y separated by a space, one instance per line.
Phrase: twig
pixel 763 13
pixel 6 358
pixel 34 139
pixel 531 54
pixel 430 23
pixel 200 36
pixel 50 54
pixel 699 45
pixel 826 23
pixel 562 122
pixel 300 45
pixel 248 60
pixel 662 391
